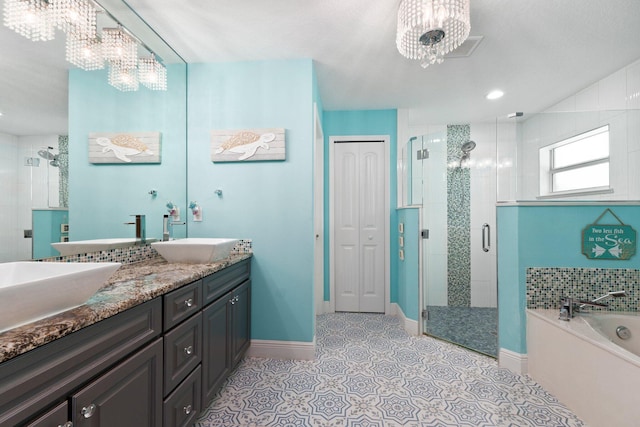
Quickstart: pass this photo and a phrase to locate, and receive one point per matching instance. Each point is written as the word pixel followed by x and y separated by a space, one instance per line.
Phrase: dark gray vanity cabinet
pixel 227 325
pixel 128 395
pixel 57 416
pixel 35 386
pixel 155 365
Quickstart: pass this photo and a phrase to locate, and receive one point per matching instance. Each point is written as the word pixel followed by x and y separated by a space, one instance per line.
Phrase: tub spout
pixel 594 302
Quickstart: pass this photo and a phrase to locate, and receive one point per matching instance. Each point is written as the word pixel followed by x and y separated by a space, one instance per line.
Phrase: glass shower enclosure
pixel 451 173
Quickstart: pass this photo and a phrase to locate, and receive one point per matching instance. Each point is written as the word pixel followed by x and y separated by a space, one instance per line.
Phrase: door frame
pixel 387 214
pixel 318 212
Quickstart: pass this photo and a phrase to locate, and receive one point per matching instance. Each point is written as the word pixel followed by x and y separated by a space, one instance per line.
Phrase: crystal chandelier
pixel 430 29
pixel 119 49
pixel 123 79
pixel 75 17
pixel 152 74
pixel 38 19
pixel 85 53
pixel 32 19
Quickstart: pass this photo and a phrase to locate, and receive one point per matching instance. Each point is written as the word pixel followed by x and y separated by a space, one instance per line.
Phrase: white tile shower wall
pixel 507 161
pixel 8 188
pixel 483 200
pixel 611 100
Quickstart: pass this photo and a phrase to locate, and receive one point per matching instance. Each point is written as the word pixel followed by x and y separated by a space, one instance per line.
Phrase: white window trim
pixel 546 171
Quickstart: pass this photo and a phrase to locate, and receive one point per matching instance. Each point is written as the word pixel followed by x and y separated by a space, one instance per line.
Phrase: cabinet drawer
pixel 31 382
pixel 183 405
pixel 127 395
pixel 182 303
pixel 182 351
pixel 57 416
pixel 217 284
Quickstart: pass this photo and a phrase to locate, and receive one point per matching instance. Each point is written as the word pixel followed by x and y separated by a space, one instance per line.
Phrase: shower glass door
pixel 453 178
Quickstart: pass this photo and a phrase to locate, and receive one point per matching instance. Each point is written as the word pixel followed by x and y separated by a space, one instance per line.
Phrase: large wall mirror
pixel 51 189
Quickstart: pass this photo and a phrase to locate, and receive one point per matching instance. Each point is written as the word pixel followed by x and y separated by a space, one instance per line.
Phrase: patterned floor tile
pixel 369 373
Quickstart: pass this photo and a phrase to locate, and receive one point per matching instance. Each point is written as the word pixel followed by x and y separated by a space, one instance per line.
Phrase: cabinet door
pixel 55 417
pixel 182 351
pixel 129 395
pixel 241 322
pixel 215 355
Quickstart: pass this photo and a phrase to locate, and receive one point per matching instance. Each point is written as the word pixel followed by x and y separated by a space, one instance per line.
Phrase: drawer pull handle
pixel 188 302
pixel 187 409
pixel 88 411
pixel 188 350
pixel 234 300
pixel 67 424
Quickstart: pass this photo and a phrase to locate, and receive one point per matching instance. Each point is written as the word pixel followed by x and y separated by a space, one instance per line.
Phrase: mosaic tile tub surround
pixel 547 286
pixel 134 254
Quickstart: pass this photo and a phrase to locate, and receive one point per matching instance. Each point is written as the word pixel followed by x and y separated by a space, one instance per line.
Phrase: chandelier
pixel 430 29
pixel 85 47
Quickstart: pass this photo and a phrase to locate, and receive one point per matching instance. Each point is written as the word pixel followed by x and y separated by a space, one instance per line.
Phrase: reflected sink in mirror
pixel 30 291
pixel 195 250
pixel 95 245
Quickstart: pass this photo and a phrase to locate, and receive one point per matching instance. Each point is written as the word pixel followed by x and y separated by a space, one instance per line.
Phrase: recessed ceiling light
pixel 495 94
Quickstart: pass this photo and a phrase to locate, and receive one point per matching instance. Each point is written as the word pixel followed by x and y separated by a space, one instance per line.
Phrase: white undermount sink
pixel 194 250
pixel 30 291
pixel 95 245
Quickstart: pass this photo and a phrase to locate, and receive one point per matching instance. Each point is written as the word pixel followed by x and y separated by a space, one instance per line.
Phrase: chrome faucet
pixel 166 235
pixel 141 233
pixel 570 306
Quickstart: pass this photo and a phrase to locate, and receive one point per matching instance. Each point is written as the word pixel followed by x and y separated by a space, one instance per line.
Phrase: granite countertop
pixel 131 285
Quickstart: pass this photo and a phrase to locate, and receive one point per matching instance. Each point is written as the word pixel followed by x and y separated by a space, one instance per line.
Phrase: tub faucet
pixel 570 306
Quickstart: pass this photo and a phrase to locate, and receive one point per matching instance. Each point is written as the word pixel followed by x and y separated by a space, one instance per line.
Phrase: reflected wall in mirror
pixel 40 120
pixel 525 144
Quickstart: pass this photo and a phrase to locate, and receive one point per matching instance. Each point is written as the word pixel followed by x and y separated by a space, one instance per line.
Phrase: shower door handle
pixel 486 237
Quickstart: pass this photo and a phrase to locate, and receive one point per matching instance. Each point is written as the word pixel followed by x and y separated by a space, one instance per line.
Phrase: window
pixel 576 165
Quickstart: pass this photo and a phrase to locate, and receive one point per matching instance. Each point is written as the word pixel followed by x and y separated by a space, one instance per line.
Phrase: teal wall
pixel 270 202
pixel 102 197
pixel 46 230
pixel 409 269
pixel 363 122
pixel 544 236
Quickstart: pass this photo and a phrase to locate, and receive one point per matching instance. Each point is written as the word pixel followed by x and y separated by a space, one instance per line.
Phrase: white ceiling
pixel 537 52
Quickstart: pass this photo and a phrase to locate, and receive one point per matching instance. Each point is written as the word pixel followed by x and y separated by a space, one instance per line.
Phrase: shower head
pixel 468 147
pixel 46 154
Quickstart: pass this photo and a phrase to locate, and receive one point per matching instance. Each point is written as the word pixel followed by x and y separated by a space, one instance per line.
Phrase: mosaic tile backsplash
pixel 133 254
pixel 458 219
pixel 547 286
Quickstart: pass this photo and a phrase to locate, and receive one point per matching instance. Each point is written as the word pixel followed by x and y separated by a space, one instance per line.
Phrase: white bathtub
pixel 586 369
pixel 607 323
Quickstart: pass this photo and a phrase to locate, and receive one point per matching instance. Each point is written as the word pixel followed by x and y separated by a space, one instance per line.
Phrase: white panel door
pixel 359 226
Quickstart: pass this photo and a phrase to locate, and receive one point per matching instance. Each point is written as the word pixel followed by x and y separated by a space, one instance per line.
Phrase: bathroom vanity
pixel 162 339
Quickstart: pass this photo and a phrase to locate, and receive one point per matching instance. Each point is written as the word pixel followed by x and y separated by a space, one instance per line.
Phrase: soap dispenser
pixel 196 210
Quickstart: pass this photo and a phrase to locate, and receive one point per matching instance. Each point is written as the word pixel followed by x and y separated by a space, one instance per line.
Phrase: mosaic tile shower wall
pixel 63 170
pixel 547 286
pixel 458 219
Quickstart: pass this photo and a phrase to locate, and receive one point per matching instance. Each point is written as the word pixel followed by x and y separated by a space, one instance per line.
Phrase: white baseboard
pixel 410 326
pixel 288 350
pixel 515 362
